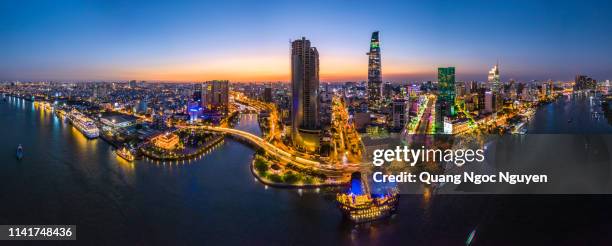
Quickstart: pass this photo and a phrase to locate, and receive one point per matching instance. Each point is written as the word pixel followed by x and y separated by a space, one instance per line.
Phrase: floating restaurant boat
pixel 46 106
pixel 60 113
pixel 125 154
pixel 84 124
pixel 361 205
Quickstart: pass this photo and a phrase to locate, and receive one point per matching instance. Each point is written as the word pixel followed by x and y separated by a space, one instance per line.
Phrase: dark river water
pixel 66 179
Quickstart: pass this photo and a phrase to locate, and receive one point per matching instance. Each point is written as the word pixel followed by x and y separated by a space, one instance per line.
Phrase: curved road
pixel 279 153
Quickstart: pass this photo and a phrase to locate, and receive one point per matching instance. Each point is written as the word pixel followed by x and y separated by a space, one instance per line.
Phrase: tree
pixel 261 167
pixel 291 178
pixel 275 178
pixel 308 180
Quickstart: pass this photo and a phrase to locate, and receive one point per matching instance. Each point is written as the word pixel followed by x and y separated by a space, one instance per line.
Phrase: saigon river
pixel 66 179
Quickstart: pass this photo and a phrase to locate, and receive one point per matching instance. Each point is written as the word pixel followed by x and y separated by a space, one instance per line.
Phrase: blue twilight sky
pixel 249 40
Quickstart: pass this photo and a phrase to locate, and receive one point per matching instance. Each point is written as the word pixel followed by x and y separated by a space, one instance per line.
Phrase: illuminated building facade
pixel 194 110
pixel 168 141
pixel 494 80
pixel 375 91
pixel 215 95
pixel 445 104
pixel 117 122
pixel 305 126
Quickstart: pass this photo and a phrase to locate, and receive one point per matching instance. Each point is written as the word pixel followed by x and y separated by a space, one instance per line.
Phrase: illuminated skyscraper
pixel 375 92
pixel 445 104
pixel 304 92
pixel 493 79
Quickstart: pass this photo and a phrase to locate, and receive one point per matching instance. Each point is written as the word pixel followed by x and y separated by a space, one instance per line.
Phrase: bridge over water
pixel 278 153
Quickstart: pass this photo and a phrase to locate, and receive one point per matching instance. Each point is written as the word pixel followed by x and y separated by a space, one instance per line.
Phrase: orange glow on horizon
pixel 257 68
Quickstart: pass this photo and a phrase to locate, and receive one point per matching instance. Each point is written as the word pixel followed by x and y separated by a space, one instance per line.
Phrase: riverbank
pixel 210 144
pixel 280 177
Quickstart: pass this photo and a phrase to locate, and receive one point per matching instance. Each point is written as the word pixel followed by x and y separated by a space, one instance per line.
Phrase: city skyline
pixel 247 42
pixel 327 122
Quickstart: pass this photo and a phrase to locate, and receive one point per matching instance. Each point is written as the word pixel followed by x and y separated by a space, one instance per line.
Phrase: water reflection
pixel 70 179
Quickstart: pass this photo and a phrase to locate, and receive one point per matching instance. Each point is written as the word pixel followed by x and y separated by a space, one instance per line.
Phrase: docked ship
pixel 125 154
pixel 46 106
pixel 61 114
pixel 84 124
pixel 361 205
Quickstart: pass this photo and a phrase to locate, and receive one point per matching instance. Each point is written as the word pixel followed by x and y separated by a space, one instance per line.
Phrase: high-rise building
pixel 493 79
pixel 399 114
pixel 215 95
pixel 488 102
pixel 267 96
pixel 481 99
pixel 142 106
pixel 197 92
pixel 498 102
pixel 445 104
pixel 305 128
pixel 375 90
pixel 584 82
pixel 387 90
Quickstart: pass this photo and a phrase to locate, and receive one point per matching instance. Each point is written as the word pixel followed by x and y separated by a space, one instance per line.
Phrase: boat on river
pixel 361 205
pixel 19 152
pixel 125 153
pixel 84 124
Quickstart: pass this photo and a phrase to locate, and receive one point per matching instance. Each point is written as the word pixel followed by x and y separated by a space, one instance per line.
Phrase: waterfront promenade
pixel 282 155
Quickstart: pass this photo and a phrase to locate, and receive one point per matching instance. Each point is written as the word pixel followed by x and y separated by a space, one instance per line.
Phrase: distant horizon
pixel 271 81
pixel 247 41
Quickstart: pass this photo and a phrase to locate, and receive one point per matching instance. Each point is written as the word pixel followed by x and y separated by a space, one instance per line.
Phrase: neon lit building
pixel 194 110
pixel 445 105
pixel 493 79
pixel 375 92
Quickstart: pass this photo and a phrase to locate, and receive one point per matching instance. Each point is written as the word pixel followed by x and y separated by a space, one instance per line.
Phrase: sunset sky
pixel 249 40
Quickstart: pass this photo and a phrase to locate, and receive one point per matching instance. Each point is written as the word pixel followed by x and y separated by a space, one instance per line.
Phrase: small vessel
pixel 470 237
pixel 19 152
pixel 569 121
pixel 125 154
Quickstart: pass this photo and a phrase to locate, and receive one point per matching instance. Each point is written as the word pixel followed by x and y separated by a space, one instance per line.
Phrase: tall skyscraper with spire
pixel 493 79
pixel 305 128
pixel 375 92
